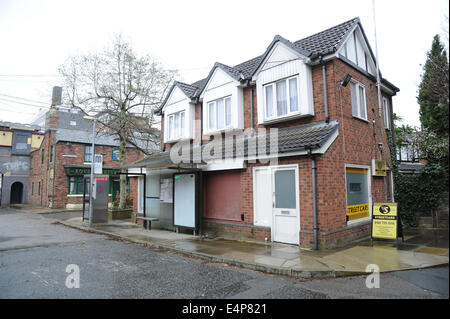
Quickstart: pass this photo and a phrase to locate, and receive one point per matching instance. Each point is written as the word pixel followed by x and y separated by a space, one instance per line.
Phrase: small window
pixel 177 125
pixel 51 153
pixel 281 98
pixel 42 158
pixel 88 153
pixel 219 114
pixel 32 188
pixel 31 162
pixel 39 188
pixel 386 113
pixel 358 93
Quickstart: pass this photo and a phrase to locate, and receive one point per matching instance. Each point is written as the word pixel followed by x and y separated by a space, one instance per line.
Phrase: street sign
pixel 98 164
pixel 384 220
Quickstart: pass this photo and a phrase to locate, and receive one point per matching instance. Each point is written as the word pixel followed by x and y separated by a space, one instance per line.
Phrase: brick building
pixel 320 93
pixel 64 157
pixel 16 142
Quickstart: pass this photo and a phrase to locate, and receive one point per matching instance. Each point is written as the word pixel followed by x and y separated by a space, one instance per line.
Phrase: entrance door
pixel 285 207
pixel 276 202
pixel 16 193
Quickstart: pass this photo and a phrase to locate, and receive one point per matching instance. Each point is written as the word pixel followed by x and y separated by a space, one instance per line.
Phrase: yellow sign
pixel 357 211
pixel 384 220
pixel 378 167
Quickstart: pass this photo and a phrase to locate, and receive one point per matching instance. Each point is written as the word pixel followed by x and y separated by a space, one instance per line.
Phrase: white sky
pixel 38 36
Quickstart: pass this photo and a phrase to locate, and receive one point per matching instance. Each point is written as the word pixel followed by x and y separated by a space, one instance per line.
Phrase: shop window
pixel 358 206
pixel 76 185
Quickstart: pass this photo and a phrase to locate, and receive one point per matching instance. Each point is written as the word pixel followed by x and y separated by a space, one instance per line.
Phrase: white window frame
pixel 386 114
pixel 274 98
pixel 216 114
pixel 369 190
pixel 358 86
pixel 176 133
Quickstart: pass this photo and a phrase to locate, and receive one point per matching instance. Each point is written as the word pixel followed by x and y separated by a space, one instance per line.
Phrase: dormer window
pixel 219 114
pixel 177 125
pixel 281 98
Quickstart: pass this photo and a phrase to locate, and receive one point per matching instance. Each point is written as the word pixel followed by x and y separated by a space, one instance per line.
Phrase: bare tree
pixel 121 89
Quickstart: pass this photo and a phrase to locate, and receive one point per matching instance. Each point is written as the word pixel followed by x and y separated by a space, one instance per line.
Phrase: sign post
pixel 385 221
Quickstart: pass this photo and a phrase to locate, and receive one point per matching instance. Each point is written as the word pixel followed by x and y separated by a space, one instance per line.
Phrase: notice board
pixel 184 206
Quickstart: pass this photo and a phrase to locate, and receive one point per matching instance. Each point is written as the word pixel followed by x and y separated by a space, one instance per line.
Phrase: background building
pixel 16 143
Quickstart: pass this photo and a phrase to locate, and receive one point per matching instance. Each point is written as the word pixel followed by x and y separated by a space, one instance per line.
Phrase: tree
pixel 121 89
pixel 433 95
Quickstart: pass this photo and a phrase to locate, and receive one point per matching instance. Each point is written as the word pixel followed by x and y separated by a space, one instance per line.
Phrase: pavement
pixel 421 249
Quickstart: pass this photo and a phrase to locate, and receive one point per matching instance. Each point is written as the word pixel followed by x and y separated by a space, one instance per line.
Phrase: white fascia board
pixel 220 165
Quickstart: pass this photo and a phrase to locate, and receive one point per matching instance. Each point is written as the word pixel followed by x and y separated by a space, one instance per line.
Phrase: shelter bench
pixel 147 221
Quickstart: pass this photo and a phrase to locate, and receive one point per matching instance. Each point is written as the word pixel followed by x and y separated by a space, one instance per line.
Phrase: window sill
pixel 224 130
pixel 285 118
pixel 359 222
pixel 181 139
pixel 361 119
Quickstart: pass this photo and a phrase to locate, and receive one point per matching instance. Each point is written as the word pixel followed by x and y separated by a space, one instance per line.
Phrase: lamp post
pixel 91 180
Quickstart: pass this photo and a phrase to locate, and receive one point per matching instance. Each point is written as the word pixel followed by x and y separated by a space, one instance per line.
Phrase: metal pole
pixel 92 175
pixel 377 61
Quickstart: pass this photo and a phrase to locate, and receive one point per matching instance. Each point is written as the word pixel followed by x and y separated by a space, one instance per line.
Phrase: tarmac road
pixel 34 254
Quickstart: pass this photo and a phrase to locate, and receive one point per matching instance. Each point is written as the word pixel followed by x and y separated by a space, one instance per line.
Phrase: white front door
pixel 277 198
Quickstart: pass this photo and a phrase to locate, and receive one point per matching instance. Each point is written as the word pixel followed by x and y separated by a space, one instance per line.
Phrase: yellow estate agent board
pixel 384 220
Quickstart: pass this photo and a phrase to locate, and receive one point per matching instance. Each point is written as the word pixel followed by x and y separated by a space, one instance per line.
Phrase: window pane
pixel 227 111
pixel 362 102
pixel 281 98
pixel 220 114
pixel 212 116
pixel 182 115
pixel 177 125
pixel 357 193
pixel 354 99
pixel 170 127
pixel 285 189
pixel 269 101
pixel 386 114
pixel 72 185
pixel 88 153
pixel 293 94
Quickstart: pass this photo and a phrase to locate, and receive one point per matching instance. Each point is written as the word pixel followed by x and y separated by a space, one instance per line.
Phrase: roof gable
pixel 356 48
